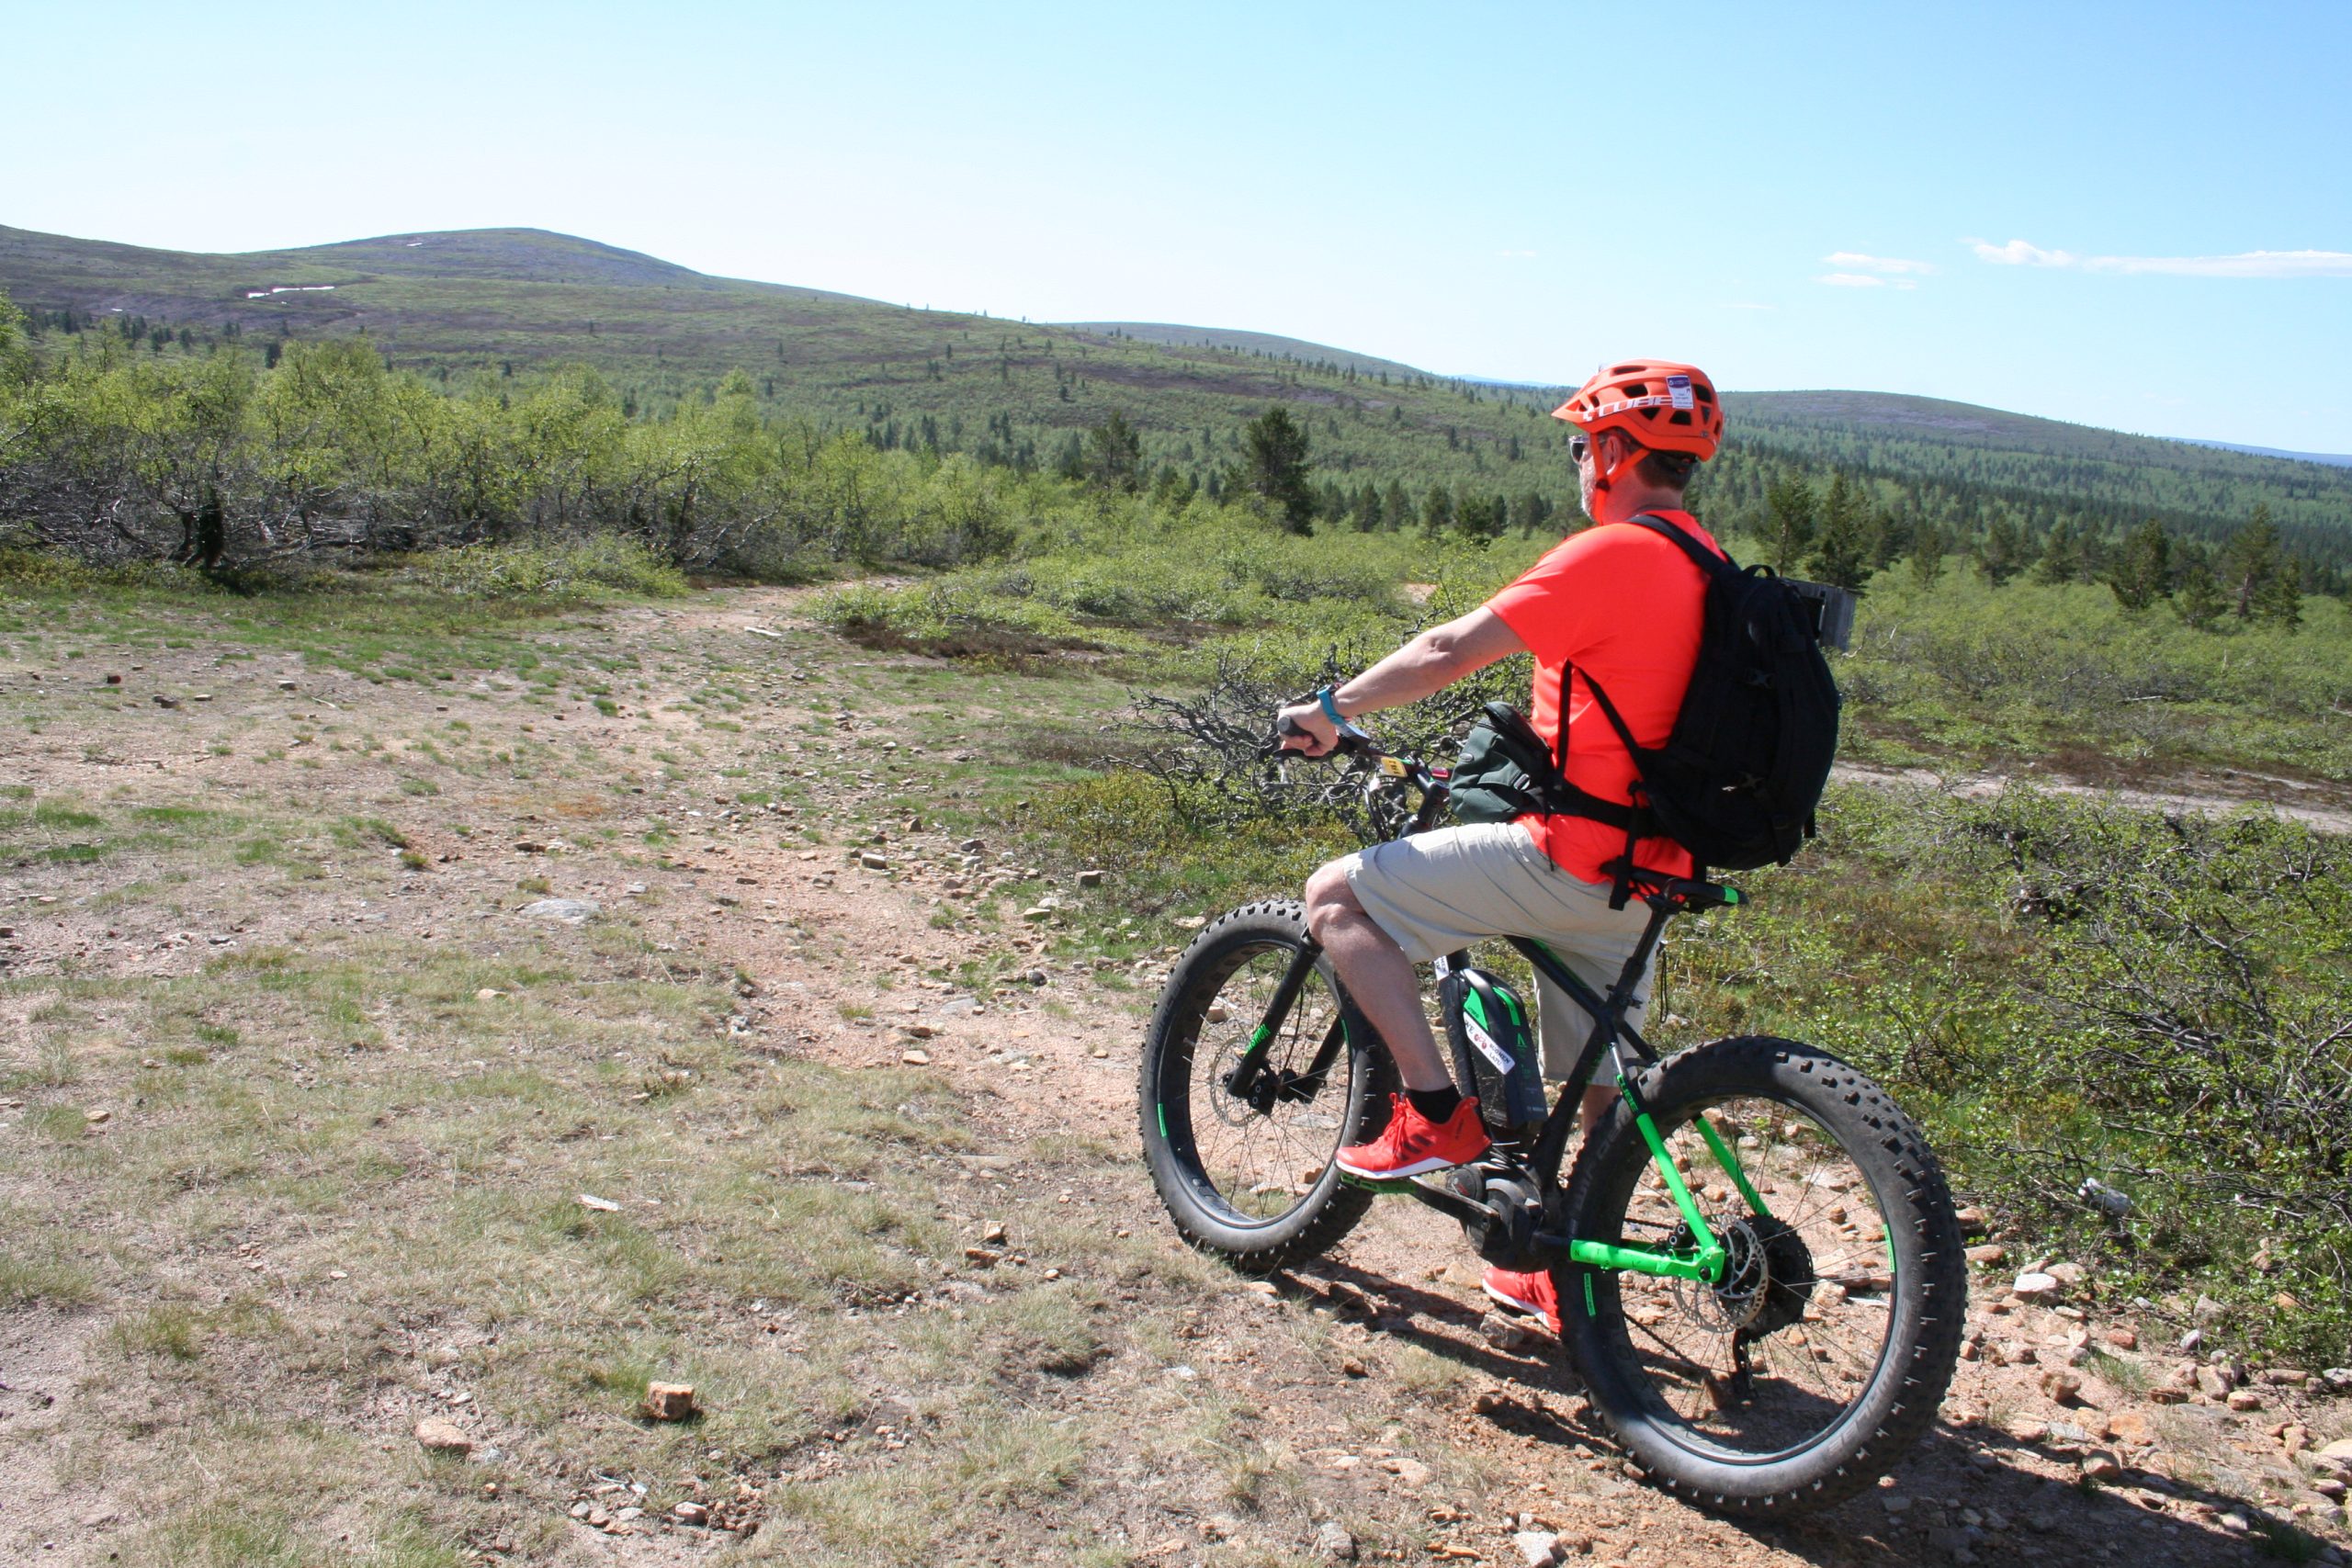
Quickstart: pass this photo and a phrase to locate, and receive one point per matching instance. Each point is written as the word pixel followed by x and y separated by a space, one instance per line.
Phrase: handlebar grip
pixel 1348 741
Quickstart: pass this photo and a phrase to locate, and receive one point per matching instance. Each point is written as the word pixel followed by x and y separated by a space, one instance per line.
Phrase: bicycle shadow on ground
pixel 1964 1495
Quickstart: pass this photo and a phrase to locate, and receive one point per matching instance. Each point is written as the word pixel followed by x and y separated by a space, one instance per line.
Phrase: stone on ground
pixel 1334 1544
pixel 435 1436
pixel 571 910
pixel 1537 1549
pixel 668 1401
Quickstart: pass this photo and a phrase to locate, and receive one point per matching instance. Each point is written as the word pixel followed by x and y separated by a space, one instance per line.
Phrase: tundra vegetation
pixel 2065 989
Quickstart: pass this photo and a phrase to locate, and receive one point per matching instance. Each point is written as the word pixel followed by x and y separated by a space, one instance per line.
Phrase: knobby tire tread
pixel 1934 1279
pixel 1335 1207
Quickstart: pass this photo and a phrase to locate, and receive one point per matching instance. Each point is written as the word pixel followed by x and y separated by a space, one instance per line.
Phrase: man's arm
pixel 1430 663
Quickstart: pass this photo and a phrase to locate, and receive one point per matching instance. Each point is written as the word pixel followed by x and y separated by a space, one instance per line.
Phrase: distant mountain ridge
pixel 459 306
pixel 2333 459
pixel 1270 343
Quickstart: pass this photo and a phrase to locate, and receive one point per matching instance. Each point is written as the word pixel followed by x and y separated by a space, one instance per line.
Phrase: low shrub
pixel 559 569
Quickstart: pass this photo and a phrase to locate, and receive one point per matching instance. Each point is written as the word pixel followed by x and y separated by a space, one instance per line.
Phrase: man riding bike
pixel 1618 603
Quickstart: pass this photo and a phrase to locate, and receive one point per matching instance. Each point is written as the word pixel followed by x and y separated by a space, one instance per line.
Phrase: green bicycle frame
pixel 1703 1258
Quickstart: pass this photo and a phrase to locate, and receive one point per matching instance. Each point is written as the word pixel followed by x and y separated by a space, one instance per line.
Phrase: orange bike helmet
pixel 1662 406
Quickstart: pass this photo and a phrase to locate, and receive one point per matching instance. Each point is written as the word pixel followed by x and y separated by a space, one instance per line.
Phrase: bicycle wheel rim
pixel 1249 1169
pixel 1787 1351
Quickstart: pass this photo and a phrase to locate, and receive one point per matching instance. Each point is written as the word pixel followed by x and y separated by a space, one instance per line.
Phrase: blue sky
pixel 2133 216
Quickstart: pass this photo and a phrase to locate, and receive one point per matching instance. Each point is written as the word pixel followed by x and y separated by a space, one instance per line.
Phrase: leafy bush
pixel 560 568
pixel 2067 990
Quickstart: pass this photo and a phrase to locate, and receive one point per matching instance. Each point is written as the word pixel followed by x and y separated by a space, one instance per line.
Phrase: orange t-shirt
pixel 1628 606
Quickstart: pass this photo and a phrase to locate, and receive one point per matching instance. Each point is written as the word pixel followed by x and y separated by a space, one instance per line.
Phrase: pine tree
pixel 2196 598
pixel 2142 570
pixel 2003 552
pixel 1396 509
pixel 2062 555
pixel 1274 466
pixel 2257 575
pixel 1790 502
pixel 1437 509
pixel 1889 535
pixel 1842 554
pixel 1929 544
pixel 1481 517
pixel 1114 455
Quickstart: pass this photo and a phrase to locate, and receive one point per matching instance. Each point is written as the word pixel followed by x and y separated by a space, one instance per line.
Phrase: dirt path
pixel 842 957
pixel 2313 805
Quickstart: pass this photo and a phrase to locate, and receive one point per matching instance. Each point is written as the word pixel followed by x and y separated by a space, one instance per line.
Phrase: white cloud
pixel 1850 280
pixel 1854 261
pixel 2246 263
pixel 2018 252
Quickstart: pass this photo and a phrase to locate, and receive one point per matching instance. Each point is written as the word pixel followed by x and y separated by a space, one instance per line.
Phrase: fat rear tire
pixel 1738 1458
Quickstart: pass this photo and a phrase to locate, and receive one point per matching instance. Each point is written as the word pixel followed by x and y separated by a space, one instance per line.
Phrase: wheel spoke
pixel 1260 1164
pixel 1797 1309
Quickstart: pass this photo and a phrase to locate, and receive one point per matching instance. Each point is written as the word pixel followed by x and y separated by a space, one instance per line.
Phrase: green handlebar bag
pixel 1504 771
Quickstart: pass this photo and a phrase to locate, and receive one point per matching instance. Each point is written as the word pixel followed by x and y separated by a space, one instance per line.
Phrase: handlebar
pixel 1350 741
pixel 1659 890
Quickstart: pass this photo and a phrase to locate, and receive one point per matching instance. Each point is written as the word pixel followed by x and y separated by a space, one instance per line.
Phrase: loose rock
pixel 1334 1544
pixel 668 1401
pixel 572 911
pixel 1537 1549
pixel 435 1436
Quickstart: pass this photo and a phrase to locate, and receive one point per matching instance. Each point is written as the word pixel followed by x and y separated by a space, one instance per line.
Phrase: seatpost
pixel 1620 994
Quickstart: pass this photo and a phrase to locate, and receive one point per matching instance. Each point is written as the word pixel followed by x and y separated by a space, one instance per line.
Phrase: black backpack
pixel 1739 776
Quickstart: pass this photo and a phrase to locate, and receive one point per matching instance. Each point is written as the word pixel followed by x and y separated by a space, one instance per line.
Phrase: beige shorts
pixel 1437 891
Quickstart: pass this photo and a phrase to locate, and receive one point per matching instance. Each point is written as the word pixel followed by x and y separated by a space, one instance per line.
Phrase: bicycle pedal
pixel 1374 1184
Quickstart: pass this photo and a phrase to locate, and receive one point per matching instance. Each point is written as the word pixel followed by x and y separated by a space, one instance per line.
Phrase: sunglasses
pixel 1579 448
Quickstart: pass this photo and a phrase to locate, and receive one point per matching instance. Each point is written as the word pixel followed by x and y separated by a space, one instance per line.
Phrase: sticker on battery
pixel 1488 1045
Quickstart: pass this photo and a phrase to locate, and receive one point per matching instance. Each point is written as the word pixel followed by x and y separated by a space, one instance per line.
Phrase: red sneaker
pixel 1412 1145
pixel 1529 1293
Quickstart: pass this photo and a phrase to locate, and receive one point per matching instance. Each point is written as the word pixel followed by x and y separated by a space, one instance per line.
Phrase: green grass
pixel 345 1105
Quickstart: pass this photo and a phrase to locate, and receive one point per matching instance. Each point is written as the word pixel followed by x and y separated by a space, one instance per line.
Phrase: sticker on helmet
pixel 1678 388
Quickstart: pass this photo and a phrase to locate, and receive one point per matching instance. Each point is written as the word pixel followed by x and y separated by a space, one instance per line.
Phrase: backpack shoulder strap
pixel 1706 561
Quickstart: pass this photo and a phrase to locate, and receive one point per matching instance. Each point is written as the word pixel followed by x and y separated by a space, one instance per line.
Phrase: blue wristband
pixel 1330 708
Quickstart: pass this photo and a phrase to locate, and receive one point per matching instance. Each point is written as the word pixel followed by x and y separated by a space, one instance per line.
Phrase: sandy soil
pixel 2001 1479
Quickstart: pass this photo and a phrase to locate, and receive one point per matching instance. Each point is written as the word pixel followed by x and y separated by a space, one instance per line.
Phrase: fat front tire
pixel 1824 1352
pixel 1255 1182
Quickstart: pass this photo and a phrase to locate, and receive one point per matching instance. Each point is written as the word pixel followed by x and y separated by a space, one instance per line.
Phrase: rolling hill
pixel 502 303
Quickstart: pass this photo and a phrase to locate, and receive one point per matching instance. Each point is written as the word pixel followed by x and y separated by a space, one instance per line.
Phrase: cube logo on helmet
pixel 1658 404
